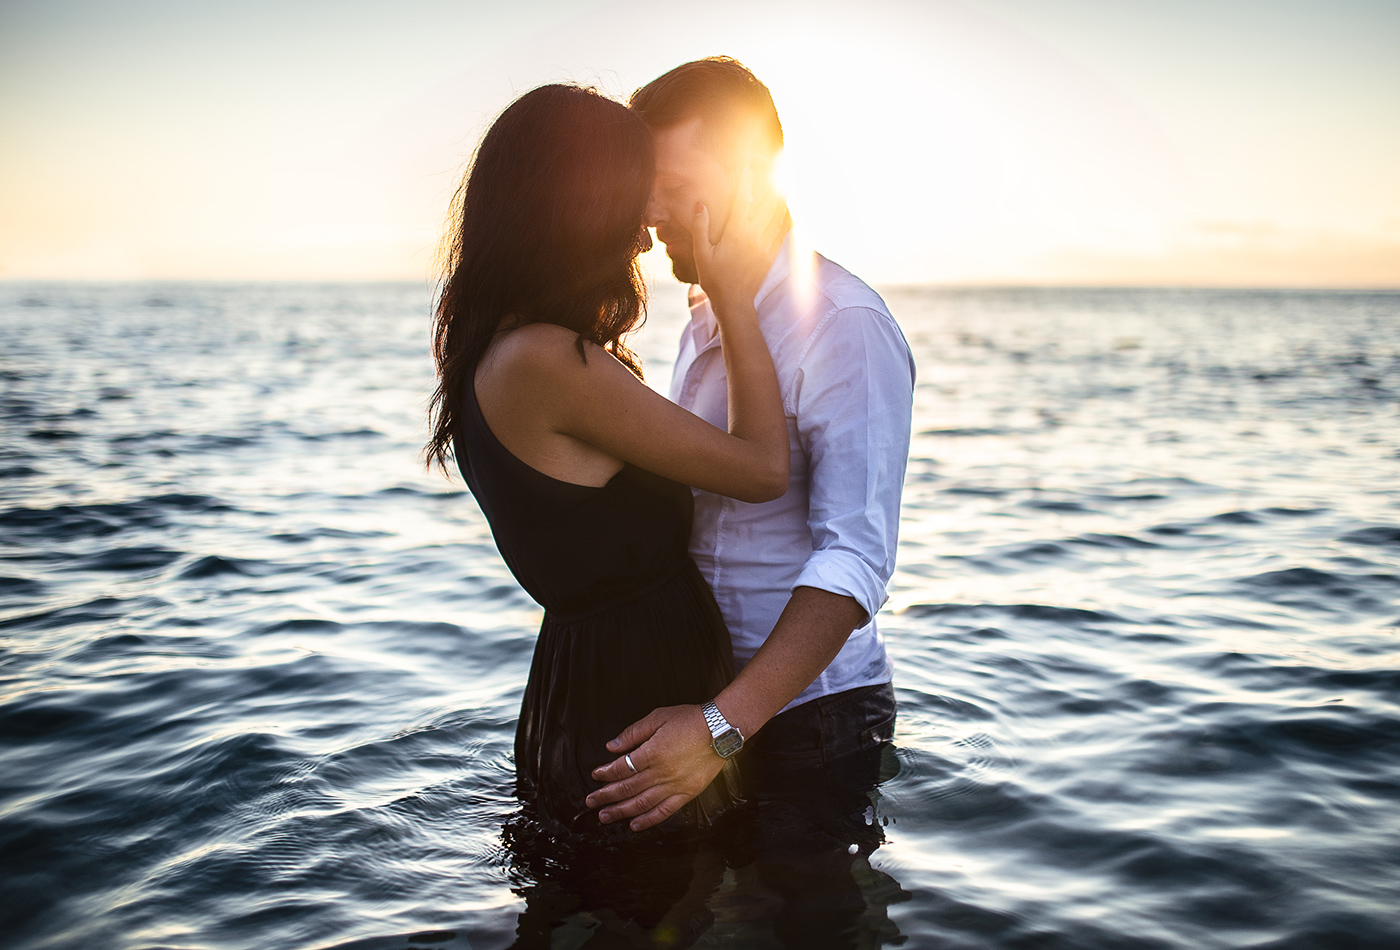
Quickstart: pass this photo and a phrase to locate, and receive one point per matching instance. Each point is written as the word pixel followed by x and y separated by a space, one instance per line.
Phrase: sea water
pixel 260 671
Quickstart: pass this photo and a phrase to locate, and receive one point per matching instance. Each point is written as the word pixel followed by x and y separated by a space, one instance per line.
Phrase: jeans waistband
pixel 831 726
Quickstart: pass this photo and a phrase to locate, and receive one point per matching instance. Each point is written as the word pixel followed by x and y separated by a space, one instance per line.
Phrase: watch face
pixel 728 742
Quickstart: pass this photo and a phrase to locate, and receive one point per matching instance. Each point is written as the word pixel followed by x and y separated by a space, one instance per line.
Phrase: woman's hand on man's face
pixel 675 759
pixel 733 264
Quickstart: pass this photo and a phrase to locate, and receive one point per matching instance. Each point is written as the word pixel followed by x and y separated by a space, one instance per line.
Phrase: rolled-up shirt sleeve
pixel 853 399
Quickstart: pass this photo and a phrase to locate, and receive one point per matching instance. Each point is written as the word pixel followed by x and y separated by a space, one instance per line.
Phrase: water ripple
pixel 260 673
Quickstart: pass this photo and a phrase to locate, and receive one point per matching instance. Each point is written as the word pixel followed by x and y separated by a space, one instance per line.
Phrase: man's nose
pixel 655 214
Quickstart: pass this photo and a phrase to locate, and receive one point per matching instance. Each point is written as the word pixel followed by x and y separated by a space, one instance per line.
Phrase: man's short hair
pixel 728 99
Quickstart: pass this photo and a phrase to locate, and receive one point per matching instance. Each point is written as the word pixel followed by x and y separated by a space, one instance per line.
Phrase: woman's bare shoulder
pixel 546 349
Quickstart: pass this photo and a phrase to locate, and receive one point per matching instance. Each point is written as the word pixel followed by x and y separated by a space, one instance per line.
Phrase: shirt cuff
pixel 842 572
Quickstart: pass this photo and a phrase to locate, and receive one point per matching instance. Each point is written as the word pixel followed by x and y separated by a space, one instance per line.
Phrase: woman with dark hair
pixel 580 468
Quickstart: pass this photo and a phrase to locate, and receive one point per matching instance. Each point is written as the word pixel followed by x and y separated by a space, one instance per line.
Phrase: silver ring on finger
pixel 630 764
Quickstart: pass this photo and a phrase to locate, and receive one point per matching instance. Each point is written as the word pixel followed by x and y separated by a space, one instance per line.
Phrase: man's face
pixel 686 173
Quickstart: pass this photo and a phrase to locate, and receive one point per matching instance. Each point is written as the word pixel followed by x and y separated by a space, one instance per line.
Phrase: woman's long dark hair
pixel 546 228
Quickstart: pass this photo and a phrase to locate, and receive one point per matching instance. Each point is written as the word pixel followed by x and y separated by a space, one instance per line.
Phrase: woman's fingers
pixel 770 211
pixel 733 263
pixel 700 231
pixel 765 198
pixel 758 215
pixel 772 215
pixel 742 207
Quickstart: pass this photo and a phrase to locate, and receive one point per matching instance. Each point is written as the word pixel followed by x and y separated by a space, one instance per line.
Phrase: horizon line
pixel 889 285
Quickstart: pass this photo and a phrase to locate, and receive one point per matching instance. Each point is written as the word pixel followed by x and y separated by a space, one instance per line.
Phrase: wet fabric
pixel 630 625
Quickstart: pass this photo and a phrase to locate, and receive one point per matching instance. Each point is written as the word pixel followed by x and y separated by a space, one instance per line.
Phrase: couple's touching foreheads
pixel 710 564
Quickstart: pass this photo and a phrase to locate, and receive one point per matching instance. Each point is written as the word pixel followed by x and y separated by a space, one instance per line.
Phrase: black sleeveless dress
pixel 629 625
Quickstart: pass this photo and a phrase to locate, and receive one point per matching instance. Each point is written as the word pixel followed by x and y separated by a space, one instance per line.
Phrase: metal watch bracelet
pixel 725 738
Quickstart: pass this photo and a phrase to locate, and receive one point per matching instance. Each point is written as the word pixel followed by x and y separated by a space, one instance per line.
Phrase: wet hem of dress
pixel 557 833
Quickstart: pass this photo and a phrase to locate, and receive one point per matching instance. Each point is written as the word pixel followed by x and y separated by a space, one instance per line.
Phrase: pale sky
pixel 1218 142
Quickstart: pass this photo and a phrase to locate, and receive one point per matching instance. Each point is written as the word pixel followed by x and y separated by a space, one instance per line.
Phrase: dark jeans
pixel 812 774
pixel 834 744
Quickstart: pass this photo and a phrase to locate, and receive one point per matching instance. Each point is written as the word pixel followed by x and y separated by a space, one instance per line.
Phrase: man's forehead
pixel 679 139
pixel 685 154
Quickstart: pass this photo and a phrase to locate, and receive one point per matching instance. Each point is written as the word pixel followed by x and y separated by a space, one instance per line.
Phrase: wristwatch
pixel 727 739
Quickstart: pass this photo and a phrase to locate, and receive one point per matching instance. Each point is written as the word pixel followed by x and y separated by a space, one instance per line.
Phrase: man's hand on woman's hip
pixel 672 752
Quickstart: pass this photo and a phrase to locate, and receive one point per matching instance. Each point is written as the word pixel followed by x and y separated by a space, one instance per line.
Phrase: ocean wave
pixel 261 673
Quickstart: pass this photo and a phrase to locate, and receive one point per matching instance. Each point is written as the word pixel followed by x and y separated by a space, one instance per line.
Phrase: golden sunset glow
pixel 927 142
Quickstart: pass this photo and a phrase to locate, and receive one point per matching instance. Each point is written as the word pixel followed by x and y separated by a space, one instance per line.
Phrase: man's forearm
pixel 813 627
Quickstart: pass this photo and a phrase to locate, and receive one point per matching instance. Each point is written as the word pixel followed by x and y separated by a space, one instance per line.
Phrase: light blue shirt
pixel 847 380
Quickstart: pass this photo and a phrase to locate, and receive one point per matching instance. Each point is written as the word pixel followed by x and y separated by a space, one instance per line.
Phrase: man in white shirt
pixel 799 579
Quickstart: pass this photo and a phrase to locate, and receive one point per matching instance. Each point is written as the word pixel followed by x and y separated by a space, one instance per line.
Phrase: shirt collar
pixel 779 272
pixel 702 315
pixel 703 326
